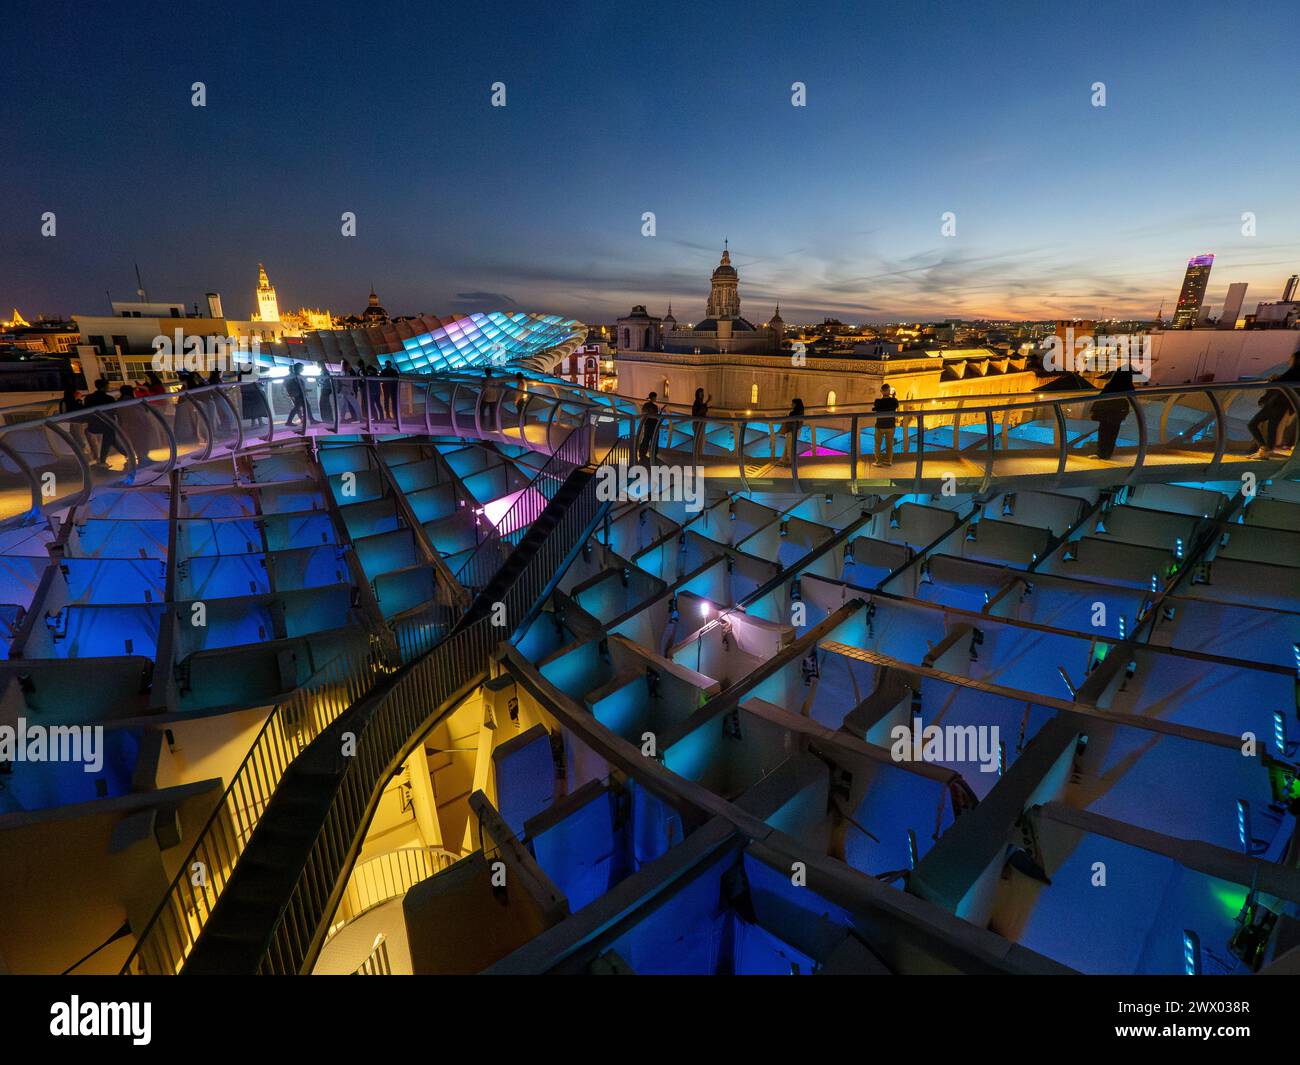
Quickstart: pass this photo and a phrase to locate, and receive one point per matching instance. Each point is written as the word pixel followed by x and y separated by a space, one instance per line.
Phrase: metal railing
pixel 389 876
pixel 405 713
pixel 52 463
pixel 1204 430
pixel 439 667
pixel 376 963
pixel 206 870
pixel 504 536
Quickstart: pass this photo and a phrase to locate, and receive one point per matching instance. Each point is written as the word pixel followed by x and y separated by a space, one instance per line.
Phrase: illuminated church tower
pixel 724 295
pixel 268 307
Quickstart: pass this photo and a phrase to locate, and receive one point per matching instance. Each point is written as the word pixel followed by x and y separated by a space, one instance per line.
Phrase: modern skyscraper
pixel 1232 305
pixel 1288 291
pixel 1193 293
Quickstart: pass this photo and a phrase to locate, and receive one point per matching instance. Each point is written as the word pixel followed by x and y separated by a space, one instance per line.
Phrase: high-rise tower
pixel 268 307
pixel 1193 293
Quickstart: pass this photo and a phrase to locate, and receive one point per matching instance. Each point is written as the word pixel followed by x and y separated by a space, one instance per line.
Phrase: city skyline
pixel 1062 208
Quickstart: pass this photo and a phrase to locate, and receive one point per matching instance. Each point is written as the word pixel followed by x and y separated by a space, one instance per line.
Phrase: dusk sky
pixel 616 109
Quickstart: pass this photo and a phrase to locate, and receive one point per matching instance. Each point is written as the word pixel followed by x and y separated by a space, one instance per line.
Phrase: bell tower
pixel 724 295
pixel 268 307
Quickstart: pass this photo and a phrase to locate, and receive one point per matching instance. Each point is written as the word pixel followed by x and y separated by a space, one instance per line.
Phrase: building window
pixel 753 395
pixel 830 399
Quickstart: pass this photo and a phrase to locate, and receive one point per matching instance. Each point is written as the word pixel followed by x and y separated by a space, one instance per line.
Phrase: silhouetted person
pixel 1109 414
pixel 887 401
pixel 489 397
pixel 296 389
pixel 390 386
pixel 649 427
pixel 99 425
pixel 1273 409
pixel 790 431
pixel 700 411
pixel 346 394
pixel 252 401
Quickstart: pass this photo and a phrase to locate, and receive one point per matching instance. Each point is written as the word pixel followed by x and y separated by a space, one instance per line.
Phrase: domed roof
pixel 725 269
pixel 738 325
pixel 373 309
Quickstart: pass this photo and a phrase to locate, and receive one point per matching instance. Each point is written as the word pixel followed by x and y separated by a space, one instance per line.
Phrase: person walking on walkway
pixel 1273 409
pixel 296 389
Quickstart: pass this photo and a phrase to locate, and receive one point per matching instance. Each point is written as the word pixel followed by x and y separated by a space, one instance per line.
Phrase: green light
pixel 1231 897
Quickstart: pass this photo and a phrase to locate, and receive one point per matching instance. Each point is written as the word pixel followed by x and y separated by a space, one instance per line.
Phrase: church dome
pixel 374 312
pixel 725 269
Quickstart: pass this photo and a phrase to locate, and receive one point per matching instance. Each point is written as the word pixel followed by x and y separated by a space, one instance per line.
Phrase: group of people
pixel 651 415
pixel 375 389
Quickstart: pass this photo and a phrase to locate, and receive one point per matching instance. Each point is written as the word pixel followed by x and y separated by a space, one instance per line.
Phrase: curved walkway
pixel 1188 432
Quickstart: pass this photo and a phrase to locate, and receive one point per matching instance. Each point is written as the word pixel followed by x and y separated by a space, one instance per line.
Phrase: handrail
pixel 388 876
pixel 437 667
pixel 504 535
pixel 376 963
pixel 206 869
pixel 404 714
pixel 50 464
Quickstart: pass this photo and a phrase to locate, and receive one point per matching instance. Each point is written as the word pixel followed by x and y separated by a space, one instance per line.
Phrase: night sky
pixel 616 109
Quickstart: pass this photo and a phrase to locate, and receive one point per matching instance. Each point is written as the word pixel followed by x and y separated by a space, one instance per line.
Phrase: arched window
pixel 830 399
pixel 665 388
pixel 753 395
